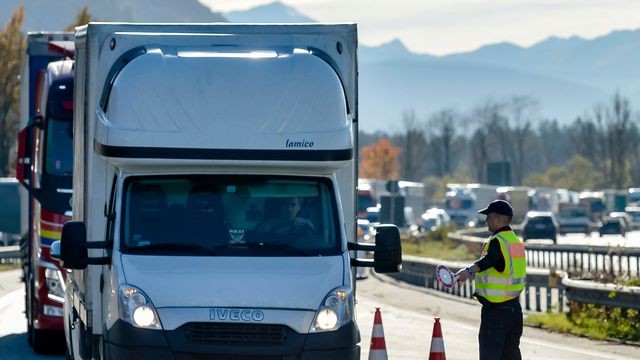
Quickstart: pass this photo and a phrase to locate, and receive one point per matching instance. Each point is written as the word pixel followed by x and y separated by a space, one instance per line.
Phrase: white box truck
pixel 214 193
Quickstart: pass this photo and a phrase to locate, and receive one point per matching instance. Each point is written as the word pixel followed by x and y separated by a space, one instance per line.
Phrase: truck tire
pixel 98 348
pixel 42 341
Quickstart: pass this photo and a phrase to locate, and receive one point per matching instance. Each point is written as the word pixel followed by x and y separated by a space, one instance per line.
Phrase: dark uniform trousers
pixel 500 330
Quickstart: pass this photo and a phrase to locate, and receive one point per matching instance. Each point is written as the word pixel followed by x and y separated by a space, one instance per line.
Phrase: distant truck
pixel 574 218
pixel 596 206
pixel 214 193
pixel 44 167
pixel 398 202
pixel 9 212
pixel 518 197
pixel 462 202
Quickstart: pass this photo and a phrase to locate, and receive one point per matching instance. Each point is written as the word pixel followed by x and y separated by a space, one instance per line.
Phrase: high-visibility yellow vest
pixel 497 286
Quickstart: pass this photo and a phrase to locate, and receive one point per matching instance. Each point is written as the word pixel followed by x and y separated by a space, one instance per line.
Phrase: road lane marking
pixel 575 350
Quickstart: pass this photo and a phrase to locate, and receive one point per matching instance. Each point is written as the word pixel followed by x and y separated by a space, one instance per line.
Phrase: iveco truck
pixel 44 167
pixel 214 193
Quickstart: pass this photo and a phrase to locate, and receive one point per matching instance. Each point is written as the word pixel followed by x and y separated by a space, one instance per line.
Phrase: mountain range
pixel 566 76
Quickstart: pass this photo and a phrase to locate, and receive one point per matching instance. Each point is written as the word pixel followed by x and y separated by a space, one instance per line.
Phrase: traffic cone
pixel 378 349
pixel 437 344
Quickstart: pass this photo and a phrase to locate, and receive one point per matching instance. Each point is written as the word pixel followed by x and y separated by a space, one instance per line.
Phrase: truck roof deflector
pixel 118 65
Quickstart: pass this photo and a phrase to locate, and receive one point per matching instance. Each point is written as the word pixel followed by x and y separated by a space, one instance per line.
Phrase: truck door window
pixel 59 147
pixel 230 216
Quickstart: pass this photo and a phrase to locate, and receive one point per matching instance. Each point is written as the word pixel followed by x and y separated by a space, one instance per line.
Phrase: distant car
pixel 634 212
pixel 574 218
pixel 434 218
pixel 612 226
pixel 430 223
pixel 626 219
pixel 366 234
pixel 540 225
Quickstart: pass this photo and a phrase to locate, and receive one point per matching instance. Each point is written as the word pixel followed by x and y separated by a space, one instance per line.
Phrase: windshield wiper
pixel 178 247
pixel 280 246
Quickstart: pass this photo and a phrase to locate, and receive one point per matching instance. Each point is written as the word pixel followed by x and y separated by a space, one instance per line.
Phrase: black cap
pixel 499 207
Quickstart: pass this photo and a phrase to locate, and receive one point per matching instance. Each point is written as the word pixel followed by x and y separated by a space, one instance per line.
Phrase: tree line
pixel 12 56
pixel 598 150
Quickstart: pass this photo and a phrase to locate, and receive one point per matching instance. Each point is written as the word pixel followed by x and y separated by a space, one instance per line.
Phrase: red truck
pixel 44 168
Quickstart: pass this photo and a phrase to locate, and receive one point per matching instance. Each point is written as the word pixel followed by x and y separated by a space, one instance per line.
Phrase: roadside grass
pixel 435 244
pixel 592 321
pixel 5 267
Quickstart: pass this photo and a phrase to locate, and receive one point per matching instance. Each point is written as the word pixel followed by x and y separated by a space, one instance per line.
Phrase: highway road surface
pixel 407 315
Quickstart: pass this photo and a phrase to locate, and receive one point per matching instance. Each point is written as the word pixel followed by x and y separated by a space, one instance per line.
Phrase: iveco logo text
pixel 236 314
pixel 299 144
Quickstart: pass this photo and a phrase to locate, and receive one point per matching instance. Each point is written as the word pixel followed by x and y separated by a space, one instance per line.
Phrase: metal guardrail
pixel 543 290
pixel 571 258
pixel 619 261
pixel 9 254
pixel 546 290
pixel 553 285
pixel 591 292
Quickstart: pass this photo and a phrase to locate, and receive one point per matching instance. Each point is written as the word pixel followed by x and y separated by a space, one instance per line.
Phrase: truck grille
pixel 235 334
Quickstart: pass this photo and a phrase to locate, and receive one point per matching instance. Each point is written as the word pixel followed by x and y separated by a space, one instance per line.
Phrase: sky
pixel 440 27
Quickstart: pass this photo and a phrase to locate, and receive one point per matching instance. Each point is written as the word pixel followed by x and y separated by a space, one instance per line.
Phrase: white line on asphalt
pixel 575 350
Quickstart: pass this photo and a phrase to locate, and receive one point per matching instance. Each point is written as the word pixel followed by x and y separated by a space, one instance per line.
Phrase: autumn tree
pixel 379 160
pixel 12 48
pixel 82 17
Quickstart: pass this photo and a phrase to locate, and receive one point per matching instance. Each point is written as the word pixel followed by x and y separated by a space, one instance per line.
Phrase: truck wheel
pixel 98 348
pixel 42 341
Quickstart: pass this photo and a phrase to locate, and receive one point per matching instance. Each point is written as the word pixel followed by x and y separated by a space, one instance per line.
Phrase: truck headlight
pixel 55 285
pixel 335 311
pixel 136 308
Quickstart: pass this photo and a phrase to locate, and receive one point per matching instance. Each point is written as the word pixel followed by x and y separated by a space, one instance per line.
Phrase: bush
pixel 593 321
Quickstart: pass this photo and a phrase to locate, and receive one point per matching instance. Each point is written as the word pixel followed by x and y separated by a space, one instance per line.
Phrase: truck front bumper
pixel 124 341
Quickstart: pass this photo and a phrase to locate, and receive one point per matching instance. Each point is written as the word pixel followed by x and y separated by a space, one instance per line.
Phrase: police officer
pixel 500 276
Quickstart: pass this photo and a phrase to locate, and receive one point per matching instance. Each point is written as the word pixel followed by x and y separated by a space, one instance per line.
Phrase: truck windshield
pixel 217 215
pixel 458 204
pixel 59 147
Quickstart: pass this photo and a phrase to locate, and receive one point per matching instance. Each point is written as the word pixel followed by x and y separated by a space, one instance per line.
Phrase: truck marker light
pixel 52 310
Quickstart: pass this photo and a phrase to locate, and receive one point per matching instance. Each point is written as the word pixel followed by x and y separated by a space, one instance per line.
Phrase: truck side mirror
pixel 54 251
pixel 73 245
pixel 387 257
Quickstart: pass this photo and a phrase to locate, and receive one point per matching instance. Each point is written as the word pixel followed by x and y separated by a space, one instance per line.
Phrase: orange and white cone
pixel 378 349
pixel 437 344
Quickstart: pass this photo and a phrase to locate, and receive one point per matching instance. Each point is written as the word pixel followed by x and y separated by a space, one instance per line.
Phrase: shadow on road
pixel 14 346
